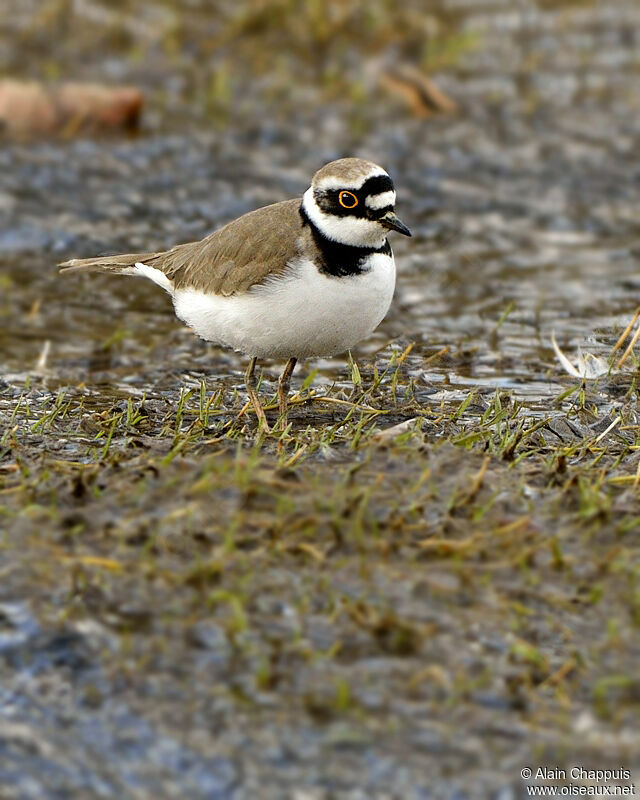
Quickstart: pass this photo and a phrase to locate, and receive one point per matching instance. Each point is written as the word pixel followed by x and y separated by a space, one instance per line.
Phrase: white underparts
pixel 155 275
pixel 301 313
pixel 355 231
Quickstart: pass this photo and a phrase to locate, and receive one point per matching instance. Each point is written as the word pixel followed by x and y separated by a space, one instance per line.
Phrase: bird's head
pixel 352 201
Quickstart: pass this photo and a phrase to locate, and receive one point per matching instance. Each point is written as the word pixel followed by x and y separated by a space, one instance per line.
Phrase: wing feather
pixel 229 261
pixel 243 253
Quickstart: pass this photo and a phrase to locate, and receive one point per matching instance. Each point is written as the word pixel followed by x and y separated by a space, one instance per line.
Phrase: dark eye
pixel 347 199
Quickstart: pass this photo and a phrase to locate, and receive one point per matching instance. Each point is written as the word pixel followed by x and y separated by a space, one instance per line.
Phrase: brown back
pixel 228 261
pixel 241 254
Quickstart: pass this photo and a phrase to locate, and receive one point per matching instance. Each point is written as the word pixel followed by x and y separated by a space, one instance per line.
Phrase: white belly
pixel 301 314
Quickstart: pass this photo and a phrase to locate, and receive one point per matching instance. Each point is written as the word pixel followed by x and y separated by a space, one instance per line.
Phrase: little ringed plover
pixel 292 280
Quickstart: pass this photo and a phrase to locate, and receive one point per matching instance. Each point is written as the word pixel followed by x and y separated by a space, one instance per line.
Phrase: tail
pixel 124 264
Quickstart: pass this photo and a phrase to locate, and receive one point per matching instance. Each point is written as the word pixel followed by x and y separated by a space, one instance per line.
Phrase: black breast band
pixel 337 259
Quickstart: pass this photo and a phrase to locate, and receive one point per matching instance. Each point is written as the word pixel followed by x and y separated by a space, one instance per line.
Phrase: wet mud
pixel 430 581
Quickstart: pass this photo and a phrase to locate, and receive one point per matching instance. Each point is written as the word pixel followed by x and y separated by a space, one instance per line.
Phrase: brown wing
pixel 117 263
pixel 234 258
pixel 228 261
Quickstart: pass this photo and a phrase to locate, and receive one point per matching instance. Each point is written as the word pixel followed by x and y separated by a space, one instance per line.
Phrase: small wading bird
pixel 293 280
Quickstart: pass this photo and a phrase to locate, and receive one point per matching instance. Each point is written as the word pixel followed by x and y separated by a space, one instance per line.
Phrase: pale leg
pixel 250 383
pixel 283 390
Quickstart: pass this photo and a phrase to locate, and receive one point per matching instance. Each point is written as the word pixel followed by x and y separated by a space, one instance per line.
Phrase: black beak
pixel 394 224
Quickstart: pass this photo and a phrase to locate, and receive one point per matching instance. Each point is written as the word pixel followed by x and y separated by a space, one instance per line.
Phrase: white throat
pixel 354 231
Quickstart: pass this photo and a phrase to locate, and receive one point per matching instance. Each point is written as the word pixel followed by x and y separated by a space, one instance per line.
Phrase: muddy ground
pixel 349 610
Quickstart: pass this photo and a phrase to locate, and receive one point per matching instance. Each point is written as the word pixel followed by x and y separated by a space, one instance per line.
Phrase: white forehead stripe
pixel 336 182
pixel 381 200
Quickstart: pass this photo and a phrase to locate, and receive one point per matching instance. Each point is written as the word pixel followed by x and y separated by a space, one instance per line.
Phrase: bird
pixel 297 279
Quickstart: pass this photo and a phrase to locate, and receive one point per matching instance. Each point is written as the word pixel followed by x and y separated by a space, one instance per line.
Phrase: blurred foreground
pixel 357 610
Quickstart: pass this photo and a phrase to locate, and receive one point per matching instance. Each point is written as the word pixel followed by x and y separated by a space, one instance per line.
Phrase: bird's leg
pixel 250 383
pixel 283 390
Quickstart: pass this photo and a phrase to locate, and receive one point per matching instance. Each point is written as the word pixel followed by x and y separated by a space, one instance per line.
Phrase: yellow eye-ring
pixel 347 199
